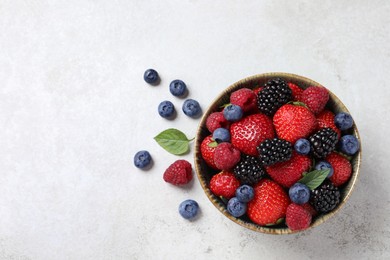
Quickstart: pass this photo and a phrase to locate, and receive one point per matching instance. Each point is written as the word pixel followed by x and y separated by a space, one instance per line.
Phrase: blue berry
pixel 245 193
pixel 191 108
pixel 299 193
pixel 343 121
pixel 151 76
pixel 349 144
pixel 142 159
pixel 221 135
pixel 177 88
pixel 323 165
pixel 232 113
pixel 188 209
pixel 236 208
pixel 166 109
pixel 302 146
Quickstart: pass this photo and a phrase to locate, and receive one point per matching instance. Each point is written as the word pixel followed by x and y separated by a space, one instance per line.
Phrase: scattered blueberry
pixel 302 146
pixel 188 209
pixel 221 135
pixel 343 121
pixel 236 208
pixel 142 159
pixel 349 144
pixel 245 193
pixel 177 88
pixel 232 113
pixel 151 76
pixel 299 193
pixel 323 165
pixel 191 108
pixel 166 109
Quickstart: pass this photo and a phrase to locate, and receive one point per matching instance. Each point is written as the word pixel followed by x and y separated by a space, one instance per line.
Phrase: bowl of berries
pixel 277 153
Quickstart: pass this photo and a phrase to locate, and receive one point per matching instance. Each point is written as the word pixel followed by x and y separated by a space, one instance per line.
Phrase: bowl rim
pixel 252 226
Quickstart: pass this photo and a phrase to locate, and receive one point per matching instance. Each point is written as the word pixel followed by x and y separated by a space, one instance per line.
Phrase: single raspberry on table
pixel 178 173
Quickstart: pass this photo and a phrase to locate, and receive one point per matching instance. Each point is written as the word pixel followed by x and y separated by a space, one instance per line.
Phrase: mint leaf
pixel 174 141
pixel 314 178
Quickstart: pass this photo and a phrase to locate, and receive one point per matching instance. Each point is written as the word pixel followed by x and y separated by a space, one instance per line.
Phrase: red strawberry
pixel 294 121
pixel 250 131
pixel 342 168
pixel 269 203
pixel 245 98
pixel 310 209
pixel 326 119
pixel 207 149
pixel 216 120
pixel 297 217
pixel 296 91
pixel 226 156
pixel 224 184
pixel 289 172
pixel 315 98
pixel 178 173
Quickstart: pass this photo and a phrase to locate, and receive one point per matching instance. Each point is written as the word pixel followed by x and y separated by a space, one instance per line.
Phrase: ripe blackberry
pixel 274 150
pixel 275 94
pixel 323 142
pixel 249 170
pixel 325 198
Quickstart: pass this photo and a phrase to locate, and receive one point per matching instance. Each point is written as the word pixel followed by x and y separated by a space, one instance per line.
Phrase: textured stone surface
pixel 74 109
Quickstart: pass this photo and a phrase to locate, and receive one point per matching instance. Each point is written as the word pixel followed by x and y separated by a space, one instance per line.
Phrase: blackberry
pixel 249 170
pixel 275 94
pixel 274 150
pixel 325 198
pixel 323 142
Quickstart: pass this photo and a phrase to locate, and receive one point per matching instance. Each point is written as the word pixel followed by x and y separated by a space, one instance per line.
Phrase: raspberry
pixel 178 173
pixel 226 156
pixel 216 120
pixel 296 91
pixel 297 217
pixel 245 98
pixel 315 98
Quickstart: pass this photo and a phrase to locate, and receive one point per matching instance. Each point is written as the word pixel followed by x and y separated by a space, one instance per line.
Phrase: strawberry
pixel 250 131
pixel 224 184
pixel 226 156
pixel 297 217
pixel 216 120
pixel 326 119
pixel 315 98
pixel 294 121
pixel 207 149
pixel 269 203
pixel 289 172
pixel 296 91
pixel 178 173
pixel 342 168
pixel 257 90
pixel 244 98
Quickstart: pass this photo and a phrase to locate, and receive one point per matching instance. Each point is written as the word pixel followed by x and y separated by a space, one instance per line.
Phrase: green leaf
pixel 279 221
pixel 174 141
pixel 213 144
pixel 225 105
pixel 314 178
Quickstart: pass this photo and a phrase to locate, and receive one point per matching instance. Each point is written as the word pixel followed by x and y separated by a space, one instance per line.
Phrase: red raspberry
pixel 244 98
pixel 216 120
pixel 224 184
pixel 207 150
pixel 297 217
pixel 310 209
pixel 342 168
pixel 226 156
pixel 257 90
pixel 326 119
pixel 315 98
pixel 296 91
pixel 178 173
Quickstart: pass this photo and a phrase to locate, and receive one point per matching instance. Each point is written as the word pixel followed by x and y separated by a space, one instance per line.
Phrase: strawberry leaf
pixel 174 141
pixel 279 221
pixel 314 178
pixel 213 144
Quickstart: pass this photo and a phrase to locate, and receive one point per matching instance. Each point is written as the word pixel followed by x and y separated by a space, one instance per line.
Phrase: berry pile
pixel 278 155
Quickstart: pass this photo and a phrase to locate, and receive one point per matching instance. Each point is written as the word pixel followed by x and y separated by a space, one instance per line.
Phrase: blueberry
pixel 221 135
pixel 236 208
pixel 343 121
pixel 245 193
pixel 177 88
pixel 232 113
pixel 166 109
pixel 323 165
pixel 191 108
pixel 299 193
pixel 349 144
pixel 151 76
pixel 302 146
pixel 142 159
pixel 188 209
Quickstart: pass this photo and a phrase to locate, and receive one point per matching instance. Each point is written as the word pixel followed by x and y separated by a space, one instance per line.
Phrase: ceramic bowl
pixel 205 173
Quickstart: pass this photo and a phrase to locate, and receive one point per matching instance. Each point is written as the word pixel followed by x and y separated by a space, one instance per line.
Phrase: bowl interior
pixel 205 173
